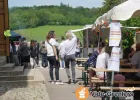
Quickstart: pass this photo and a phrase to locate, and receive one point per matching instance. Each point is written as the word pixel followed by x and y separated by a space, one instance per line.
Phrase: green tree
pixel 26 17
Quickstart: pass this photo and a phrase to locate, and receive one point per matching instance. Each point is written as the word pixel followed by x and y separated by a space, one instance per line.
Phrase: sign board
pixel 114 61
pixel 115 34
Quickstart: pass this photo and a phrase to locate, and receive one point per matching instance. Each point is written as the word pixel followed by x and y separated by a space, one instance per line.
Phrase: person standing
pixel 78 51
pixel 52 56
pixel 69 54
pixel 61 47
pixel 33 54
pixel 37 47
pixel 24 52
pixel 43 51
pixel 14 54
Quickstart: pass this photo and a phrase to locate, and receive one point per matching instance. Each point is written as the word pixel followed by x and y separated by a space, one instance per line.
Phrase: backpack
pixel 43 49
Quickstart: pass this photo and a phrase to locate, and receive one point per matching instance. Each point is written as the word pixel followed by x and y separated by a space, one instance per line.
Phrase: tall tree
pixel 109 4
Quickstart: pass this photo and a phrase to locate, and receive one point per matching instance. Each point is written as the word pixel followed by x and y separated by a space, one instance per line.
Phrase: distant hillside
pixel 39 33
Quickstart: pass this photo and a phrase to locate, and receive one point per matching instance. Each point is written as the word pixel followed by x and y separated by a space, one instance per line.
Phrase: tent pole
pixel 87 44
pixel 87 38
pixel 99 37
pixel 112 80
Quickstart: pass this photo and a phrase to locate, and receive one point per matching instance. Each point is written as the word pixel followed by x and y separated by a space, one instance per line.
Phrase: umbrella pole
pixel 112 81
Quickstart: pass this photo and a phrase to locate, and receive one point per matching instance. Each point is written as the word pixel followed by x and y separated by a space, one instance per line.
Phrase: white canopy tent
pixel 98 21
pixel 124 11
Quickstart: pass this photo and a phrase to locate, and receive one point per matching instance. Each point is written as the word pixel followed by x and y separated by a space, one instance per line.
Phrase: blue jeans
pixel 52 61
pixel 44 60
pixel 63 63
pixel 78 55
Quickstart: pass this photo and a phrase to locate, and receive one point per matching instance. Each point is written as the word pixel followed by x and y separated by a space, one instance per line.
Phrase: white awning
pixel 125 11
pixel 122 12
pixel 84 28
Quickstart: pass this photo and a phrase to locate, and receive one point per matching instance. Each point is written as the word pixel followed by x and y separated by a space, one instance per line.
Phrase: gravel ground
pixel 30 92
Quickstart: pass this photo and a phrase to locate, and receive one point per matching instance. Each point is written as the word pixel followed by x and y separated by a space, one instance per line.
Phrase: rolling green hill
pixel 40 33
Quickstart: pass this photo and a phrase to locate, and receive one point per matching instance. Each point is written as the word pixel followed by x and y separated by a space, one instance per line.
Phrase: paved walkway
pixel 23 92
pixel 62 92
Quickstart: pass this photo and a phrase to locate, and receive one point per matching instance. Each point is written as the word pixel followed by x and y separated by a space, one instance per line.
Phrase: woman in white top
pixel 52 56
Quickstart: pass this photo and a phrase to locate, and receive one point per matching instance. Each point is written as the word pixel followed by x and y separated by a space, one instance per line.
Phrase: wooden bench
pixel 82 59
pixel 121 70
pixel 98 81
pixel 106 70
pixel 116 82
pixel 121 88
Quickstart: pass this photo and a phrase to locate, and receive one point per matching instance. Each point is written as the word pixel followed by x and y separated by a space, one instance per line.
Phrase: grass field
pixel 40 33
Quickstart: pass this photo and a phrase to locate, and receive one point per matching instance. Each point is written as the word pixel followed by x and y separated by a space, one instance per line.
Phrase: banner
pixel 115 34
pixel 114 61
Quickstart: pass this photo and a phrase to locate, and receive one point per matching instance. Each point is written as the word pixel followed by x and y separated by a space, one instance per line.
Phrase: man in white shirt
pixel 69 54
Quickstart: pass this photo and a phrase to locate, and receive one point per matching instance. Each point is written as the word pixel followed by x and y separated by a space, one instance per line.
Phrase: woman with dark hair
pixel 52 56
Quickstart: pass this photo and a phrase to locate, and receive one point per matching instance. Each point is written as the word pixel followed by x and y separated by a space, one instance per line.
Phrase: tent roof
pixel 125 11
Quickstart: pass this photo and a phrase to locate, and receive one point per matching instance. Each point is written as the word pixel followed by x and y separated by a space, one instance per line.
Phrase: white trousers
pixel 33 62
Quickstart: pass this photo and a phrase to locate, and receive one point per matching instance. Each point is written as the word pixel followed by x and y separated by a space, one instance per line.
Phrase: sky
pixel 73 3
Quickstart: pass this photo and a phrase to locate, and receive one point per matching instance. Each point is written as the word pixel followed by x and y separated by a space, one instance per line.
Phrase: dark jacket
pixel 24 50
pixel 92 60
pixel 33 51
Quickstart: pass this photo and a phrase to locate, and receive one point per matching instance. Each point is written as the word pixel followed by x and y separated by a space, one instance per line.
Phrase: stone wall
pixel 2 60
